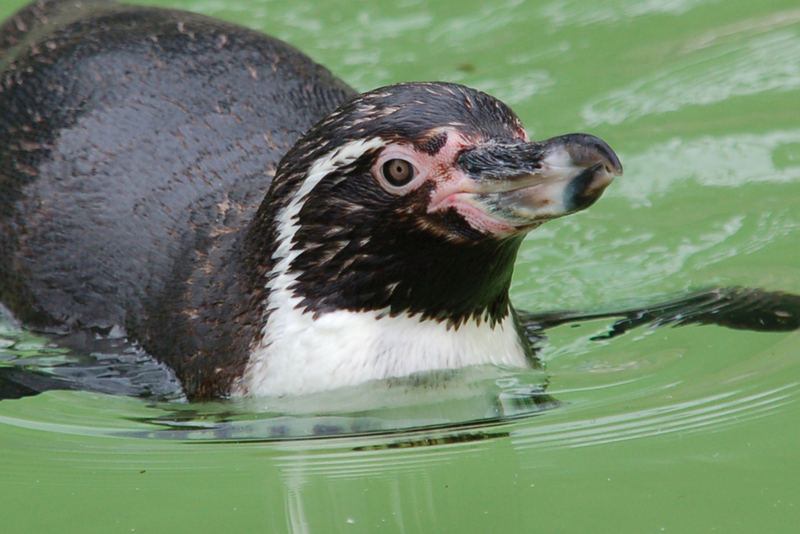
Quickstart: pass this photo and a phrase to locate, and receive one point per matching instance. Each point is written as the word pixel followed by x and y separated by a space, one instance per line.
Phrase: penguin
pixel 249 219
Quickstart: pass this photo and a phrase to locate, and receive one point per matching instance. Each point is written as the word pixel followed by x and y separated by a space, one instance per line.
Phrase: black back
pixel 135 145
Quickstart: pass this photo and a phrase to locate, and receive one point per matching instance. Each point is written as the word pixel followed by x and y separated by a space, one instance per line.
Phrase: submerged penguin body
pixel 138 148
pixel 135 144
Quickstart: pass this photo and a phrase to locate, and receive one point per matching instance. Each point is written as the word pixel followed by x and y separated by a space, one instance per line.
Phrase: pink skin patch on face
pixel 452 188
pixel 456 195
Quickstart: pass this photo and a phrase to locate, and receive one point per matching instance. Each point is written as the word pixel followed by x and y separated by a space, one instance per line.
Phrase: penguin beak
pixel 511 188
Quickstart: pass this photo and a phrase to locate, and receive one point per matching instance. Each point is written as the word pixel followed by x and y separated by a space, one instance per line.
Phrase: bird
pixel 249 219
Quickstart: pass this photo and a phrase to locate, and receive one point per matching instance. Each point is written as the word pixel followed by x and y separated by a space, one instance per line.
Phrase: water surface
pixel 690 429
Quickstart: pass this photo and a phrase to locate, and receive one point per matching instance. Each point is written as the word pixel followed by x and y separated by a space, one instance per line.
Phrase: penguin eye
pixel 397 172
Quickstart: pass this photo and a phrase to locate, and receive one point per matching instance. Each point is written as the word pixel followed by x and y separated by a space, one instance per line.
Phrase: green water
pixel 685 430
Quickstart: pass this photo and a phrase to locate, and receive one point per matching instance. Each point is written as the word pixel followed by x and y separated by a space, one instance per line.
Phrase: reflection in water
pixel 294 505
pixel 355 460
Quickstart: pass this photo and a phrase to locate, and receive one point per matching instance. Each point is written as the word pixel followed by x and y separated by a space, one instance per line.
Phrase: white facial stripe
pixel 299 353
pixel 287 220
pixel 283 318
pixel 343 155
pixel 287 226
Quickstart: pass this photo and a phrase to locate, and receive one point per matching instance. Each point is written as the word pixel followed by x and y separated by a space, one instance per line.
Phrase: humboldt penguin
pixel 252 221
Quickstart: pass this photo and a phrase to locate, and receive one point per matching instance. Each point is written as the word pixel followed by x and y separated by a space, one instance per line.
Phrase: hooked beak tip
pixel 588 151
pixel 511 188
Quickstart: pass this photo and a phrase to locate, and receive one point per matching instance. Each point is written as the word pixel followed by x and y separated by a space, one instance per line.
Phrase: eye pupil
pixel 398 172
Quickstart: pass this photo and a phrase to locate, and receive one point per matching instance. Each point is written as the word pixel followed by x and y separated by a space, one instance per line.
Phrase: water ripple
pixel 694 415
pixel 580 13
pixel 766 63
pixel 717 161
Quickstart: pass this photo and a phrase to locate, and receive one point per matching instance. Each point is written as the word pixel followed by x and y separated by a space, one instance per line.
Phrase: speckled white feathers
pixel 344 348
pixel 299 353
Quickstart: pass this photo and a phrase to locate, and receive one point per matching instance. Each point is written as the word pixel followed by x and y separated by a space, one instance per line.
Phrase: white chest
pixel 297 353
pixel 300 354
